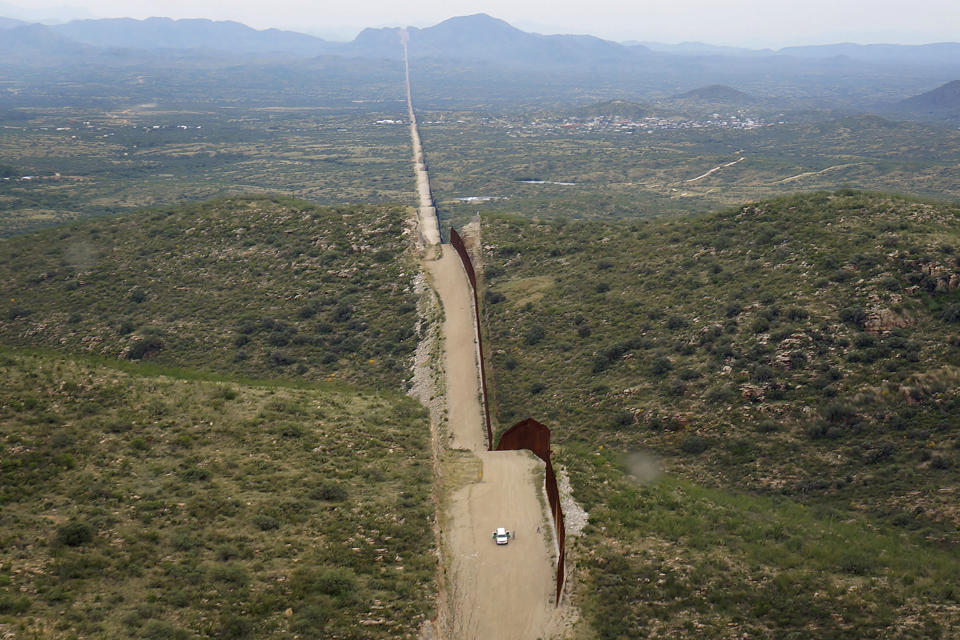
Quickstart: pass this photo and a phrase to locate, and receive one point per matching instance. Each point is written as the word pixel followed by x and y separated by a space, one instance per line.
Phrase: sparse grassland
pixel 157 507
pixel 795 365
pixel 83 162
pixel 259 286
pixel 619 170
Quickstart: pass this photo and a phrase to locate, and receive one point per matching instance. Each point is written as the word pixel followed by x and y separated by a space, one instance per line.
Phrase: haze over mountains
pixel 475 37
pixel 478 50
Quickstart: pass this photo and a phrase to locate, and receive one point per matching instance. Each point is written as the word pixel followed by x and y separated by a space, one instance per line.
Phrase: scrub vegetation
pixel 794 366
pixel 260 286
pixel 162 506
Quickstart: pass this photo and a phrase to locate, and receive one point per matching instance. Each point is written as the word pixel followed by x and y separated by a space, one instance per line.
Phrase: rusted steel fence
pixel 461 248
pixel 530 434
pixel 526 434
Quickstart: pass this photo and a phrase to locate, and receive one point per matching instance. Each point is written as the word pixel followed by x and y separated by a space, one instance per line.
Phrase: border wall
pixel 532 435
pixel 461 248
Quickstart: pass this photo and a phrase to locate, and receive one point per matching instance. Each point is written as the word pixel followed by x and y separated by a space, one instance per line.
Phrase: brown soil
pixel 493 591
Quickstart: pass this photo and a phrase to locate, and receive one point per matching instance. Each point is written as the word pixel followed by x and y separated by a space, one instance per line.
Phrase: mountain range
pixel 489 50
pixel 475 38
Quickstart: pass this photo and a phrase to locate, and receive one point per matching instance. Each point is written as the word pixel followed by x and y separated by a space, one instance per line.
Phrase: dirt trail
pixel 503 592
pixel 427 212
pixel 715 169
pixel 492 592
pixel 467 430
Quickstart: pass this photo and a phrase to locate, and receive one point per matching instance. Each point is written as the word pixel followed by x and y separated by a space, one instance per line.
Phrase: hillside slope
pixel 163 507
pixel 944 99
pixel 266 287
pixel 792 353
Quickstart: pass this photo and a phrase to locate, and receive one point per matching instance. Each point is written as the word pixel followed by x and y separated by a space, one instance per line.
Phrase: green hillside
pixel 159 506
pixel 794 365
pixel 265 287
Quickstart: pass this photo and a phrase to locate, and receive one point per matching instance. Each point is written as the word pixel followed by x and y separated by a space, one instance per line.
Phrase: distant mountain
pixel 699 49
pixel 164 33
pixel 946 53
pixel 613 109
pixel 481 38
pixel 944 99
pixel 9 23
pixel 37 42
pixel 716 93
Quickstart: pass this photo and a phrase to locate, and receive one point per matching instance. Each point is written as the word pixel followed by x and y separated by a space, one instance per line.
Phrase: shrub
pixel 159 630
pixel 330 493
pixel 493 297
pixel 838 413
pixel 74 534
pixel 310 620
pixel 720 394
pixel 231 573
pixel 797 313
pixel 951 313
pixel 234 627
pixel 265 522
pixel 12 605
pixel 759 325
pixel 311 581
pixel 143 347
pixel 766 426
pixel 762 373
pixel 694 444
pixel 856 316
pixel 534 334
pixel 661 365
pixel 821 429
pixel 280 358
pixel 677 322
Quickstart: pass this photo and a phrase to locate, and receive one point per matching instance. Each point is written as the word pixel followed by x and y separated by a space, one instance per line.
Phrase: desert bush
pixel 694 444
pixel 951 313
pixel 74 534
pixel 855 316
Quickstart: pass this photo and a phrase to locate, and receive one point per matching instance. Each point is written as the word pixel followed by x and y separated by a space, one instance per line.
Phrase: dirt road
pixel 467 430
pixel 492 592
pixel 504 592
pixel 427 212
pixel 500 591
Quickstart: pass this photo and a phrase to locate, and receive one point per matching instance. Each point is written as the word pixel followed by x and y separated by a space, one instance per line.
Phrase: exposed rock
pixel 881 321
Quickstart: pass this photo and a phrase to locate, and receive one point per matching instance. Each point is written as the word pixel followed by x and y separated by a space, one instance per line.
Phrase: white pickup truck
pixel 501 535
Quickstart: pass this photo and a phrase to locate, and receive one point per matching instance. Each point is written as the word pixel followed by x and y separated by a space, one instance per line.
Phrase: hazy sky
pixel 737 22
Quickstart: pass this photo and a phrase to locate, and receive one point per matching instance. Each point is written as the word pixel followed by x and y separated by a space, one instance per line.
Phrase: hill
pixel 482 38
pixel 161 506
pixel 943 99
pixel 37 43
pixel 263 287
pixel 164 33
pixel 792 364
pixel 716 93
pixel 940 53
